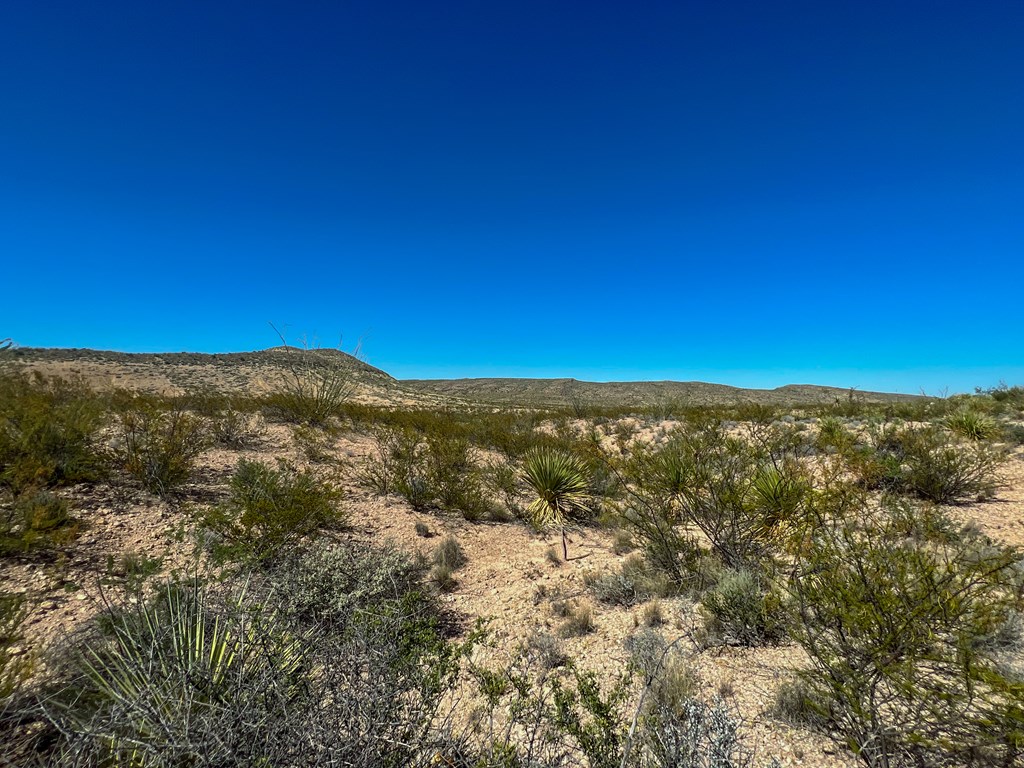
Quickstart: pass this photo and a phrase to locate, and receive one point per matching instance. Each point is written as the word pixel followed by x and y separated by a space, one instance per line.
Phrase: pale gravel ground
pixel 507 564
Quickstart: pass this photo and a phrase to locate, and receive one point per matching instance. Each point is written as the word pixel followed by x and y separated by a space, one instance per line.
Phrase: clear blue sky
pixel 753 193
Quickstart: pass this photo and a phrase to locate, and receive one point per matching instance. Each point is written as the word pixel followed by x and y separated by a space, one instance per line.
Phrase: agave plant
pixel 560 481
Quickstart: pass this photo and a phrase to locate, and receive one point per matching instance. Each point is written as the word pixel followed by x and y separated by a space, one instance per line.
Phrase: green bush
pixel 741 609
pixel 744 494
pixel 927 462
pixel 268 509
pixel 832 433
pixel 338 659
pixel 973 425
pixel 48 432
pixel 159 446
pixel 894 630
pixel 341 584
pixel 314 390
pixel 433 471
pixel 36 520
pixel 236 430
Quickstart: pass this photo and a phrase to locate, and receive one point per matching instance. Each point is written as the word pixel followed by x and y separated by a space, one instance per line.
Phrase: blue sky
pixel 754 193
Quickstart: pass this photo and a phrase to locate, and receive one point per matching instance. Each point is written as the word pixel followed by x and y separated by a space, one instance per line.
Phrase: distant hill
pixel 262 370
pixel 563 392
pixel 172 372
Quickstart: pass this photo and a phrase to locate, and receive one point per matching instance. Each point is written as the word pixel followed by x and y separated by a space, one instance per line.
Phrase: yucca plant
pixel 972 425
pixel 561 483
pixel 170 675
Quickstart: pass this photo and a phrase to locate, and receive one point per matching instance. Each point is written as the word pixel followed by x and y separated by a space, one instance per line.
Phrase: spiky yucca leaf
pixel 560 481
pixel 171 672
pixel 972 425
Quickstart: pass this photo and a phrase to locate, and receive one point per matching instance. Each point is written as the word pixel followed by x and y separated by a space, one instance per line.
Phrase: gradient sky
pixel 754 193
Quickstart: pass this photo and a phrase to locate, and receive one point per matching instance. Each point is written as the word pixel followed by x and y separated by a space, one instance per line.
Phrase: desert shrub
pixel 547 650
pixel 453 477
pixel 315 444
pixel 333 586
pixel 893 628
pixel 653 615
pixel 502 481
pixel 242 673
pixel 673 727
pixel 635 582
pixel 159 446
pixel 742 609
pixel 927 462
pixel 697 734
pixel 1014 434
pixel 743 494
pixel 832 433
pixel 450 553
pixel 36 520
pixel 192 677
pixel 48 432
pixel 269 508
pixel 315 388
pixel 448 557
pixel 972 424
pixel 595 721
pixel 236 430
pixel 796 703
pixel 432 471
pixel 390 468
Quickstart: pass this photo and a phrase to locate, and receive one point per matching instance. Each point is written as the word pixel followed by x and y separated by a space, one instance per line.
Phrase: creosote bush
pixel 433 471
pixel 745 494
pixel 928 462
pixel 48 433
pixel 159 445
pixel 893 628
pixel 270 508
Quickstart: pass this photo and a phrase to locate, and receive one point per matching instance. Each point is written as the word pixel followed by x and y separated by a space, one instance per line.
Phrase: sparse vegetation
pixel 892 627
pixel 269 509
pixel 315 388
pixel 158 445
pixel 49 432
pixel 295 644
pixel 928 462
